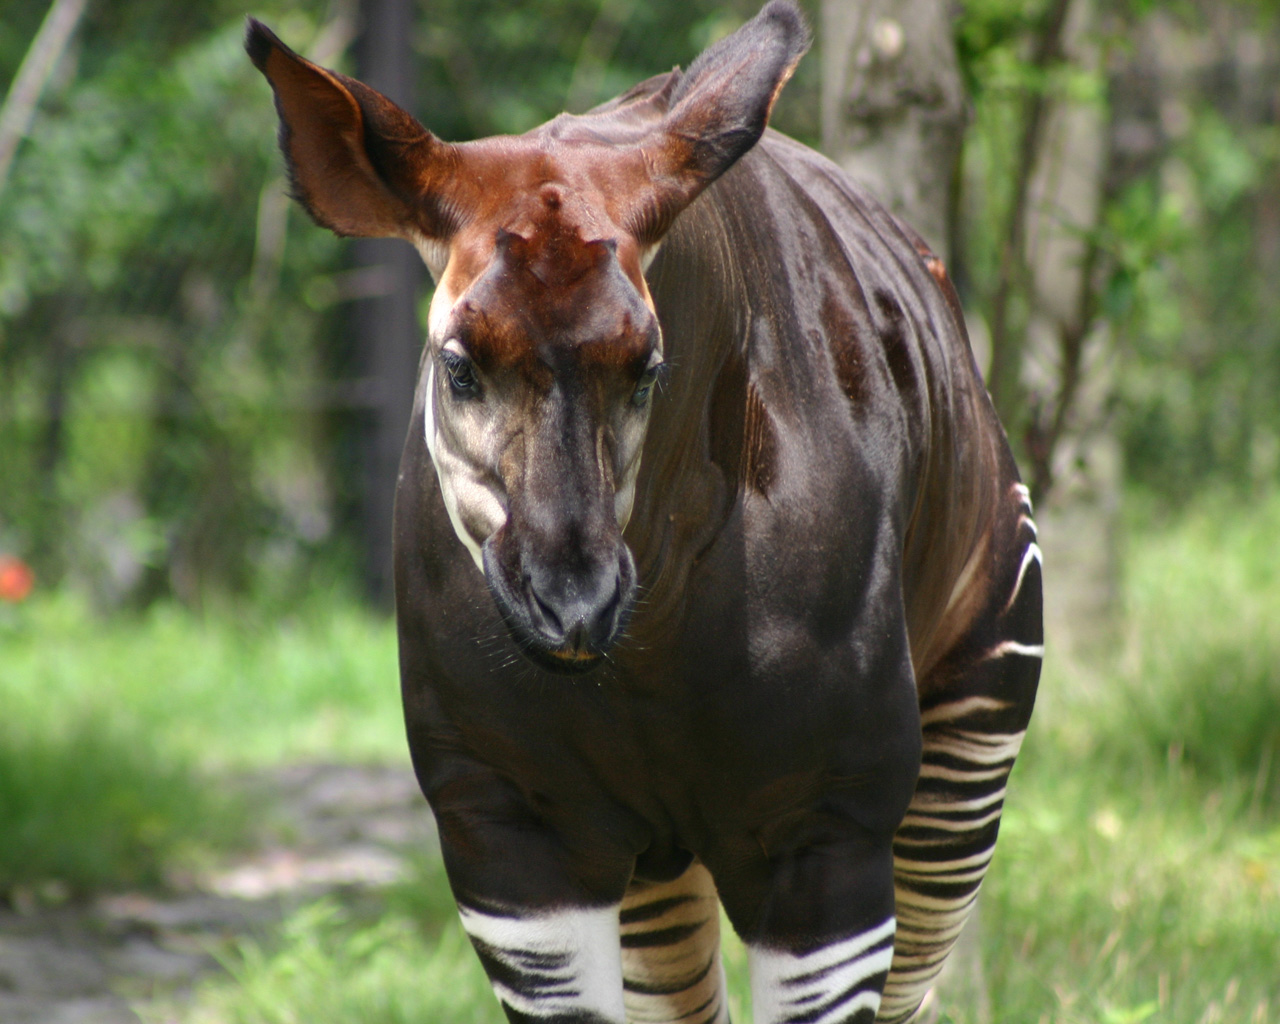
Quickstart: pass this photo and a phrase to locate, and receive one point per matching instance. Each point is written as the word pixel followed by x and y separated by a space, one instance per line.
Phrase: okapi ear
pixel 718 112
pixel 357 163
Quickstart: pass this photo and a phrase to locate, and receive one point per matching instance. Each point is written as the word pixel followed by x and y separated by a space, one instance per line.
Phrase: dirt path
pixel 341 827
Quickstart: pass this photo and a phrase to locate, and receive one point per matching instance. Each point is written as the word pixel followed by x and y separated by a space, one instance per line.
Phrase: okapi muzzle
pixel 564 582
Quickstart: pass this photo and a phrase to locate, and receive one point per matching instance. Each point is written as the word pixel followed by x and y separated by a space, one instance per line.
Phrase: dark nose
pixel 578 614
pixel 566 610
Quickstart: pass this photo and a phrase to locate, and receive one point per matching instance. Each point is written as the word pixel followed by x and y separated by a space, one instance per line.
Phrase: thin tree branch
pixel 33 75
pixel 1004 362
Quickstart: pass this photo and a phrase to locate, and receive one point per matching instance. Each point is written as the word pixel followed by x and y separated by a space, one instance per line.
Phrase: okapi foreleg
pixel 552 966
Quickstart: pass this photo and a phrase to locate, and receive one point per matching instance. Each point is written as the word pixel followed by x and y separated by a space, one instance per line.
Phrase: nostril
pixel 551 622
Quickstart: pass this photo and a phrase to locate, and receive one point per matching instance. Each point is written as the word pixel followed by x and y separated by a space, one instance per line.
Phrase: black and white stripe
pixel 972 733
pixel 671 965
pixel 562 965
pixel 836 984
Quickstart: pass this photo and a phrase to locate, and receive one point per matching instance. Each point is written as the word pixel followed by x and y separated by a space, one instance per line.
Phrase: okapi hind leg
pixel 671 967
pixel 974 717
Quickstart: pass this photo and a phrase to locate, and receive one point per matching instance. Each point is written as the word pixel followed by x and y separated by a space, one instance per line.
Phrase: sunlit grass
pixel 229 688
pixel 326 969
pixel 94 803
pixel 404 960
pixel 1200 669
pixel 1116 898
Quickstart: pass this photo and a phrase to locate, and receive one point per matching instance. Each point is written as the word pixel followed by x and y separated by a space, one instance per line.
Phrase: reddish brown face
pixel 541 368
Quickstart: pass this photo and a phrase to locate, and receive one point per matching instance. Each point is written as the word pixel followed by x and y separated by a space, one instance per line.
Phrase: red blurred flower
pixel 16 579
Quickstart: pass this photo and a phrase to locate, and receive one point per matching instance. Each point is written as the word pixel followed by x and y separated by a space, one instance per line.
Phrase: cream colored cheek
pixel 623 501
pixel 475 511
pixel 624 495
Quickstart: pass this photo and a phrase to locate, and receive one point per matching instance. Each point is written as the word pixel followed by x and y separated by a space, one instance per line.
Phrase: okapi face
pixel 539 375
pixel 543 346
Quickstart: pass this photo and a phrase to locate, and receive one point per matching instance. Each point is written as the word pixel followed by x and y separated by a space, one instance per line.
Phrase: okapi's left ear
pixel 358 163
pixel 718 112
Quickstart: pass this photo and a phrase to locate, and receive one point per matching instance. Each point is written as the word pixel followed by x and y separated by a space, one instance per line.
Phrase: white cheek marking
pixel 623 500
pixel 442 304
pixel 429 412
pixel 571 961
pixel 446 486
pixel 827 986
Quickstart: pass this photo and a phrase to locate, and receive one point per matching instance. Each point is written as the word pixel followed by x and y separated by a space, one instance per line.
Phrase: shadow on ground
pixel 334 829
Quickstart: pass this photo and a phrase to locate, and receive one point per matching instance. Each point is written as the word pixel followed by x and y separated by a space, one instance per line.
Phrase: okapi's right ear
pixel 358 163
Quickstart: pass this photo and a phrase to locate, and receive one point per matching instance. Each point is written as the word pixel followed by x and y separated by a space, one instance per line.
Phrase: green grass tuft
pixel 94 804
pixel 328 968
pixel 118 736
pixel 1200 673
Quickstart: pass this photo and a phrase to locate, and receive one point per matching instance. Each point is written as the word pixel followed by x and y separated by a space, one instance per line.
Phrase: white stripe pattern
pixel 1032 554
pixel 836 984
pixel 1014 647
pixel 552 964
pixel 946 840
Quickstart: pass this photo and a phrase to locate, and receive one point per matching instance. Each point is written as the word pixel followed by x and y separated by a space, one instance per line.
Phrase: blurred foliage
pixel 155 335
pixel 1187 244
pixel 1202 316
pixel 169 391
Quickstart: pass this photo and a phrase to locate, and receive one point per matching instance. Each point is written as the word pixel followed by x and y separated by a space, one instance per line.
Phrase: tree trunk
pixel 1067 368
pixel 893 111
pixel 385 326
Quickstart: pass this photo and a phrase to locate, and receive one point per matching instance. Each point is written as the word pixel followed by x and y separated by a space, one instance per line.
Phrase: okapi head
pixel 543 344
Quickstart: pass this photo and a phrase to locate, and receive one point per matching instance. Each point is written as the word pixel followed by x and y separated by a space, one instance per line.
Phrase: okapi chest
pixel 714 578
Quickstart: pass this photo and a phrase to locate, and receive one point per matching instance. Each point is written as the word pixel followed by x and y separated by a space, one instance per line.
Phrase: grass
pixel 1137 878
pixel 119 736
pixel 404 961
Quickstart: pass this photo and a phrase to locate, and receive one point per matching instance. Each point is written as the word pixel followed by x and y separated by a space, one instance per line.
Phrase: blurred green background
pixel 196 415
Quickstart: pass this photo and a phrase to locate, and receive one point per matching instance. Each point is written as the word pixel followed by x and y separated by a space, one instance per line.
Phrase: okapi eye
pixel 462 375
pixel 650 377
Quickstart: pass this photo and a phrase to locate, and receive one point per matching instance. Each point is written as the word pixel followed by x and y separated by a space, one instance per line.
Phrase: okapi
pixel 699 418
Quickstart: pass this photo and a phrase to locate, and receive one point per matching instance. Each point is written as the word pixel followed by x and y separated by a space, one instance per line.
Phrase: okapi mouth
pixel 562 621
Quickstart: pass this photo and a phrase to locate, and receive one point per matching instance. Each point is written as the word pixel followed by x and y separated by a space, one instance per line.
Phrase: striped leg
pixel 838 983
pixel 671 966
pixel 543 919
pixel 820 940
pixel 973 727
pixel 561 966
